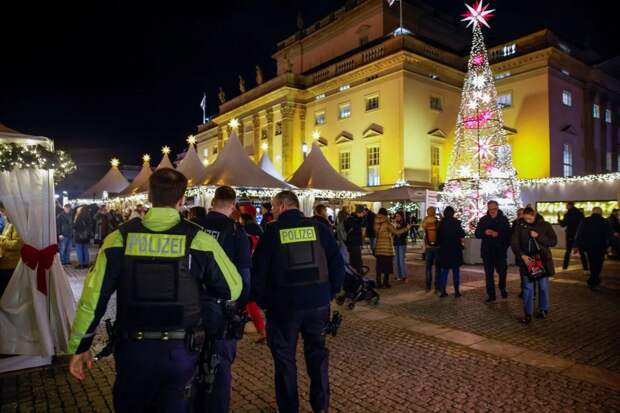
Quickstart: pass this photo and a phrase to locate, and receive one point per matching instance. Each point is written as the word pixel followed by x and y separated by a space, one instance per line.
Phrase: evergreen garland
pixel 15 156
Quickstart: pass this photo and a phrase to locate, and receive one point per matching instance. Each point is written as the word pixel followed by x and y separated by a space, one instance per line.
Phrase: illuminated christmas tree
pixel 481 163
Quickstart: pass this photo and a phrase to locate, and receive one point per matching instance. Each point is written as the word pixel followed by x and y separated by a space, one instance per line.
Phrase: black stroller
pixel 357 288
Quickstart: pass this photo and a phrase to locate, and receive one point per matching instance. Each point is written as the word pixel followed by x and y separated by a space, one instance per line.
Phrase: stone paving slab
pixel 498 348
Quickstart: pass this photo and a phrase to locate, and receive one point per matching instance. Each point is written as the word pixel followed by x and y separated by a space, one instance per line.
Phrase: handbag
pixel 535 268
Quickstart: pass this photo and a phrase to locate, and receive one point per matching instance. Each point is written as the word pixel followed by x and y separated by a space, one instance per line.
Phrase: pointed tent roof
pixel 397 193
pixel 141 179
pixel 267 166
pixel 6 129
pixel 191 166
pixel 164 163
pixel 112 182
pixel 316 173
pixel 235 168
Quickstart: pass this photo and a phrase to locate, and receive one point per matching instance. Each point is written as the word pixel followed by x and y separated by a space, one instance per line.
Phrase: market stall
pixel 141 179
pixel 37 307
pixel 191 166
pixel 113 182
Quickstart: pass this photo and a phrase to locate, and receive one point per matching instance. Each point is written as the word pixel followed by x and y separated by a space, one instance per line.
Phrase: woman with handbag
pixel 531 243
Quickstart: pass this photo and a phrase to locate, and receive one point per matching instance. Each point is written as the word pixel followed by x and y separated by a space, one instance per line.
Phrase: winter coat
pixel 450 236
pixel 571 221
pixel 10 247
pixel 494 247
pixel 353 227
pixel 594 233
pixel 369 223
pixel 322 220
pixel 82 230
pixel 430 231
pixel 64 226
pixel 385 231
pixel 521 241
pixel 402 238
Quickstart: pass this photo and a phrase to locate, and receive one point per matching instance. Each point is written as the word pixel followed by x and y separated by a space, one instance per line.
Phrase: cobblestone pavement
pixel 415 352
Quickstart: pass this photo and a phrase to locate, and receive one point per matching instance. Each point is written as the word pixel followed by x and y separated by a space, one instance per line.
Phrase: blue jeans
pixel 456 278
pixel 528 295
pixel 82 253
pixel 64 247
pixel 401 265
pixel 431 258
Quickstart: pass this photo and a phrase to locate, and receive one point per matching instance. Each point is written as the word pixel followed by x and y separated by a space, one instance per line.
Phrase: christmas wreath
pixel 14 156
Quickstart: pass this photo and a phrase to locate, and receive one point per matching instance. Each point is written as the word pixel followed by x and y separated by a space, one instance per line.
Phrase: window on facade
pixel 607 116
pixel 436 103
pixel 596 111
pixel 504 100
pixel 363 40
pixel 344 110
pixel 567 160
pixel 509 49
pixel 435 165
pixel 278 128
pixel 205 152
pixel 215 150
pixel 344 87
pixel 319 117
pixel 373 166
pixel 372 102
pixel 564 48
pixel 344 162
pixel 502 75
pixel 263 134
pixel 567 98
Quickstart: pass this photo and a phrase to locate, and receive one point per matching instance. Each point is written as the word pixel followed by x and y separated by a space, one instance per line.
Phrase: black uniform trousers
pixel 495 262
pixel 570 243
pixel 282 334
pixel 595 259
pixel 152 375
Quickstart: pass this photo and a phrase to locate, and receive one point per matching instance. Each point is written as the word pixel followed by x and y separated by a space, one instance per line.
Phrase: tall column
pixel 287 111
pixel 256 141
pixel 270 131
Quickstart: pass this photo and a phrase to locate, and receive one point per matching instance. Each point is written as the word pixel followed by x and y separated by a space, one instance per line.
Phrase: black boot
pixel 526 319
pixel 457 293
pixel 443 293
pixel 386 281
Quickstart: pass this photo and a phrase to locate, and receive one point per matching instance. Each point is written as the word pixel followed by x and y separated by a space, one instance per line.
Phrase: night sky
pixel 129 76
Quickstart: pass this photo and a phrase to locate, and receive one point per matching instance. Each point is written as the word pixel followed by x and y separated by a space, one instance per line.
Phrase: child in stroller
pixel 357 288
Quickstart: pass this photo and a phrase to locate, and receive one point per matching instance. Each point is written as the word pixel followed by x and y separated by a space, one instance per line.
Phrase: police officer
pixel 297 270
pixel 157 266
pixel 234 240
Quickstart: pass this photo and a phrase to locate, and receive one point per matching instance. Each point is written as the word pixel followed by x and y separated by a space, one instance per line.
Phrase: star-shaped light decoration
pixel 485 98
pixel 191 139
pixel 234 123
pixel 264 146
pixel 485 148
pixel 316 135
pixel 465 171
pixel 478 14
pixel 472 104
pixel 115 162
pixel 478 81
pixel 165 150
pixel 146 158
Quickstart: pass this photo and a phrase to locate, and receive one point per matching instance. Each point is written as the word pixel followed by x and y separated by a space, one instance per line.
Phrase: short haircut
pixel 267 206
pixel 166 187
pixel 570 204
pixel 288 198
pixel 319 208
pixel 492 202
pixel 359 209
pixel 383 211
pixel 224 195
pixel 67 206
pixel 597 211
pixel 529 210
pixel 448 212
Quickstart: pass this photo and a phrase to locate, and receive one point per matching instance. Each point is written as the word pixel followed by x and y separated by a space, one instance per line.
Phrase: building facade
pixel 383 108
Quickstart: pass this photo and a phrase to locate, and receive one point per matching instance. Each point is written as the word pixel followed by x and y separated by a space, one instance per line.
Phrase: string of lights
pixel 16 156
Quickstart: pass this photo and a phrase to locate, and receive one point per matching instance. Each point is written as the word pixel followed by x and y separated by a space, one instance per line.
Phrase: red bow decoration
pixel 41 260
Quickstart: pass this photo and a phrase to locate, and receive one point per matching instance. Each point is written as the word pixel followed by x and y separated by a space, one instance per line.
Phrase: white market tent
pixel 604 187
pixel 192 167
pixel 141 179
pixel 267 166
pixel 113 182
pixel 316 173
pixel 397 193
pixel 164 163
pixel 36 310
pixel 234 167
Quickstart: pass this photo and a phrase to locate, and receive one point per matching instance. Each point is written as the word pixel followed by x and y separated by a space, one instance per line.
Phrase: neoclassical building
pixel 384 107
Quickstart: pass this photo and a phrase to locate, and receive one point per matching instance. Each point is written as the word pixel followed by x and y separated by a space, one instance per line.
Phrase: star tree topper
pixel 478 14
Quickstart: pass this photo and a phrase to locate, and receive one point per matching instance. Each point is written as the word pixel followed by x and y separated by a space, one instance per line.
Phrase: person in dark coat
pixel 513 226
pixel 614 221
pixel 450 236
pixel 369 223
pixel 572 219
pixel 320 215
pixel 593 237
pixel 82 234
pixel 353 227
pixel 494 230
pixel 64 231
pixel 266 214
pixel 534 236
